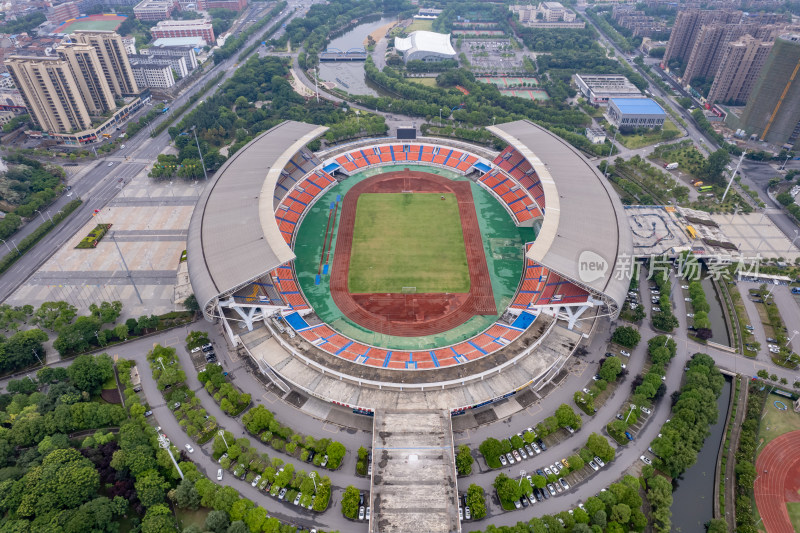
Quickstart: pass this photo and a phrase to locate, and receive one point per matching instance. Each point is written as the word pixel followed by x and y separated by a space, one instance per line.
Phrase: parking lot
pixel 495 56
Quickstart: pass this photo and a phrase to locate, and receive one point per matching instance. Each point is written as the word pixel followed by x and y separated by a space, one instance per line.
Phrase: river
pixel 719 329
pixel 352 72
pixel 693 496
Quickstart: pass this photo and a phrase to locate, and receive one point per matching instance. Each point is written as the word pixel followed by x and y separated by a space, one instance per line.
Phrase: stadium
pixel 424 273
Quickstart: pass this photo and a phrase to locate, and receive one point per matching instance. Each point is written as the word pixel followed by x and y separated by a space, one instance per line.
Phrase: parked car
pixel 687 299
pixel 137 389
pixel 645 410
pixel 594 466
pixel 541 444
pixel 625 353
pixel 510 458
pixel 195 349
pixel 503 460
pixel 297 498
pixel 517 504
pixel 531 498
pixel 460 513
pixel 564 483
pixel 207 347
pixel 529 449
pixel 522 453
pixel 599 462
pixel 569 428
pixel 656 309
pixel 565 463
pixel 219 474
pixel 255 480
pixel 549 492
pixel 559 488
pixel 282 493
pixel 547 471
pixel 223 456
pixel 516 455
pixel 555 468
pixel 361 512
pixel 524 501
pixel 628 434
pixel 536 448
pixel 148 413
pixel 467 513
pixel 324 462
pixel 176 405
pixel 189 448
pixel 689 315
pixel 645 460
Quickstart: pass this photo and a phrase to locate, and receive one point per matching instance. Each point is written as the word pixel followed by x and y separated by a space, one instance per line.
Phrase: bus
pixel 704 188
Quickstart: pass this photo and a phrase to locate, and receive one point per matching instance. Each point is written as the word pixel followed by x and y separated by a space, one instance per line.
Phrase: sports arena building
pixel 425 46
pixel 309 262
pixel 254 265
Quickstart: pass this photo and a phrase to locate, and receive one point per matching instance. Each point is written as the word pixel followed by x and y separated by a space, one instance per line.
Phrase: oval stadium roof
pixel 233 235
pixel 584 217
pixel 420 44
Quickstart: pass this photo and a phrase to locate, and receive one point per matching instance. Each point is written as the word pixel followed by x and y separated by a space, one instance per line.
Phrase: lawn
pixel 408 240
pixel 794 514
pixel 420 25
pixel 428 82
pixel 668 132
pixel 775 423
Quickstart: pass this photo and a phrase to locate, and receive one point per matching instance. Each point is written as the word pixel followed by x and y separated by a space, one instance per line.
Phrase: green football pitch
pixel 403 240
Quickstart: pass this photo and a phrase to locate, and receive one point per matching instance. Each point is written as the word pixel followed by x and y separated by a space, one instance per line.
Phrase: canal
pixel 349 75
pixel 693 495
pixel 719 328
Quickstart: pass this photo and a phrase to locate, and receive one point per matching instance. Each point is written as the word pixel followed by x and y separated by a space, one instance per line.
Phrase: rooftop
pixel 414 477
pixel 425 41
pixel 639 106
pixel 197 42
pixel 233 236
pixel 583 216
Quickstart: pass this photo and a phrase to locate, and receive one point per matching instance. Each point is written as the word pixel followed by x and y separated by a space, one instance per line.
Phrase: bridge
pixel 334 54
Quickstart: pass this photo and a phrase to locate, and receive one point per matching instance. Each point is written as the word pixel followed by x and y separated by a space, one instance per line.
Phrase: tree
pixel 476 501
pixel 77 337
pixel 335 451
pixel 350 500
pixel 190 304
pixel 18 350
pixel 106 312
pixel 121 332
pixel 715 165
pixel 611 368
pixel 217 521
pixel 55 315
pixel 567 417
pixel 599 446
pixel 718 525
pixel 150 487
pixel 490 449
pixel 626 336
pixel 89 372
pixel 186 496
pixel 508 490
pixel 158 520
pixel 464 460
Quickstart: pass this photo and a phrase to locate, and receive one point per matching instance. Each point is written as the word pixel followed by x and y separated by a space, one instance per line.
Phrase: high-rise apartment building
pixel 688 24
pixel 113 59
pixel 773 109
pixel 709 45
pixel 740 66
pixel 50 92
pixel 88 73
pixel 61 12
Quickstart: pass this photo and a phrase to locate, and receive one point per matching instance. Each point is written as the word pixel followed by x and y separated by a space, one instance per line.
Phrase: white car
pixel 645 410
pixel 510 458
pixel 189 448
pixel 223 456
pixel 219 474
pixel 687 299
pixel 645 460
pixel 594 466
pixel 536 448
pixel 297 498
pixel 548 471
pixel 503 460
pixel 195 349
pixel 656 309
pixel 625 353
pixel 685 287
pixel 689 315
pixel 361 513
pixel 586 391
pixel 256 480
pixel 599 462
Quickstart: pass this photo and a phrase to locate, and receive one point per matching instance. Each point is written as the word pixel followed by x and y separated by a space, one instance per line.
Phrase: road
pixel 101 183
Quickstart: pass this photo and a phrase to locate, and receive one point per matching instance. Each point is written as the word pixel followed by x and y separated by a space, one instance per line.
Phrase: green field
pixel 774 422
pixel 420 25
pixel 637 140
pixel 408 240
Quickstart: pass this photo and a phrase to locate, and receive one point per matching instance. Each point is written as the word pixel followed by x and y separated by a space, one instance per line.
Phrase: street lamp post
pixel 37 356
pixel 161 360
pixel 202 160
pixel 313 475
pixel 521 476
pixel 9 248
pixel 162 442
pixel 629 412
pixel 221 433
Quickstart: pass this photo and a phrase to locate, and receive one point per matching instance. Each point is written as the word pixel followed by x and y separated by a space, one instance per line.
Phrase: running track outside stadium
pixel 778 481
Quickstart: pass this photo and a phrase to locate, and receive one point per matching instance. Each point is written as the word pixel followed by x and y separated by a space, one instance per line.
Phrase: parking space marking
pixel 269 397
pixel 330 428
pixel 464 436
pixel 533 409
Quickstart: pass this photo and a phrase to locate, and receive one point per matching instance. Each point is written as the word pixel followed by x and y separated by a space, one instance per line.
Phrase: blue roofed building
pixel 632 113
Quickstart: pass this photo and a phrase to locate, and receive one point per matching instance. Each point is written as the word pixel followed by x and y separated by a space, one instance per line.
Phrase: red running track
pixel 412 315
pixel 778 470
